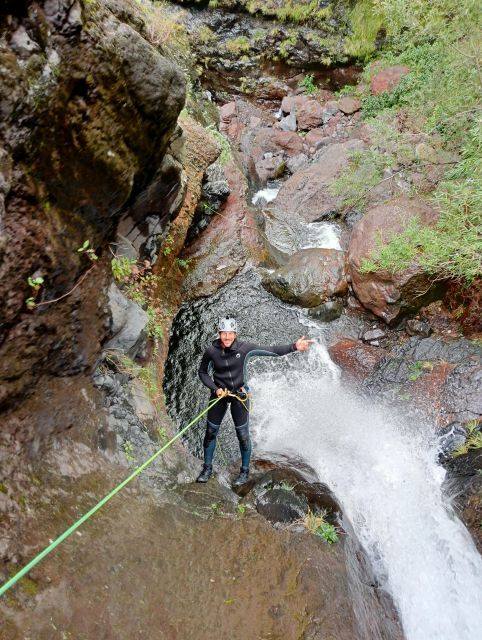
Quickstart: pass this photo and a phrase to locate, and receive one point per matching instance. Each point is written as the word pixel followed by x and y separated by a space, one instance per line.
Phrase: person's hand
pixel 303 344
pixel 220 392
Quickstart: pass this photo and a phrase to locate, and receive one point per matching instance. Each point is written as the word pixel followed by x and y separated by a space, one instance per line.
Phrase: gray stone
pixel 418 328
pixel 128 323
pixel 373 334
pixel 288 123
pixel 296 163
pixel 328 311
pixel 329 110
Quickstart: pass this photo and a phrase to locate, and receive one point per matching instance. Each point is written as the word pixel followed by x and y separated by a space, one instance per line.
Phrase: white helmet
pixel 227 324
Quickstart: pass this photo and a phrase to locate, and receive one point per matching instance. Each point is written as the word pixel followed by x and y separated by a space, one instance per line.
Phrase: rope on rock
pixel 4 588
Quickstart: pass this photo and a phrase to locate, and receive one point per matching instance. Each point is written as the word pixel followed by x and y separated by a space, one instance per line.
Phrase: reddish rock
pixel 274 140
pixel 307 192
pixel 388 79
pixel 310 277
pixel 349 105
pixel 309 114
pixel 386 294
pixel 317 138
pixel 227 112
pixel 356 358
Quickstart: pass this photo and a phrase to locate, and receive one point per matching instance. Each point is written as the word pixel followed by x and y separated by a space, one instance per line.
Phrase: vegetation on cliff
pixel 440 96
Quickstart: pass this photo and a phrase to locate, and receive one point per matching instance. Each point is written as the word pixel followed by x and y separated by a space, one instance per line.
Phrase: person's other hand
pixel 220 392
pixel 303 344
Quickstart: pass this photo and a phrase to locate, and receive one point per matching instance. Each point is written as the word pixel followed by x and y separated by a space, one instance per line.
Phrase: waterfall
pixel 383 469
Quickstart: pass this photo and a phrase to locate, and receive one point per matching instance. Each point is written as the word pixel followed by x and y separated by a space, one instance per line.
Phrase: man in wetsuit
pixel 223 368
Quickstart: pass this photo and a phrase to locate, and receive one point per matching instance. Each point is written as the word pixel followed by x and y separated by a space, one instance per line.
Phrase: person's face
pixel 227 338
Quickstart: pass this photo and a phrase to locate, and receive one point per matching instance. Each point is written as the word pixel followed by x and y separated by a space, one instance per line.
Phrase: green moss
pixel 366 22
pixel 205 35
pixel 3 488
pixel 238 46
pixel 287 44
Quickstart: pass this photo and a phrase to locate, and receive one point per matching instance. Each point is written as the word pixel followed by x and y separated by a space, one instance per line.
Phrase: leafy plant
pixel 122 268
pixel 87 250
pixel 166 248
pixel 473 439
pixel 417 368
pixel 286 486
pixel 226 153
pixel 308 85
pixel 317 524
pixel 128 449
pixel 183 264
pixel 241 509
pixel 35 284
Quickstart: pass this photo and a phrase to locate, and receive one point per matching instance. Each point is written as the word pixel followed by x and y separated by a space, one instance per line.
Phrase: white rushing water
pixel 265 195
pixel 383 470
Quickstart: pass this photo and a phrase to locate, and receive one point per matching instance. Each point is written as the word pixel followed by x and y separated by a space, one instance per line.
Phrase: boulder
pixel 349 105
pixel 288 123
pixel 309 114
pixel 227 112
pixel 307 192
pixel 128 323
pixel 310 277
pixel 389 295
pixel 317 138
pixel 266 151
pixel 328 311
pixel 329 110
pixel 388 79
pixel 355 358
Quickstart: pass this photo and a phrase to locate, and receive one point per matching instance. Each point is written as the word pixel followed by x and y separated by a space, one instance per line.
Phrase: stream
pixel 382 466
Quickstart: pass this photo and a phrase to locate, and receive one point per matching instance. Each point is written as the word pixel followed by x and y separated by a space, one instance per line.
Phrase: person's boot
pixel 242 478
pixel 205 474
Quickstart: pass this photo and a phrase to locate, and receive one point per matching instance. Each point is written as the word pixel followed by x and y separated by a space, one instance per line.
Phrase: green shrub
pixel 308 85
pixel 453 247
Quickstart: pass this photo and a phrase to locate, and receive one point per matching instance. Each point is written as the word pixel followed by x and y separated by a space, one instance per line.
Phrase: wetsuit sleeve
pixel 270 350
pixel 204 371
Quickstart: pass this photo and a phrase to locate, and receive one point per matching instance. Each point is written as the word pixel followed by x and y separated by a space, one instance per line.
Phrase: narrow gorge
pixel 310 168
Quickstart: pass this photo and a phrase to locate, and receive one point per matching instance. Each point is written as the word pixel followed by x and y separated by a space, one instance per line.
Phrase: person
pixel 222 370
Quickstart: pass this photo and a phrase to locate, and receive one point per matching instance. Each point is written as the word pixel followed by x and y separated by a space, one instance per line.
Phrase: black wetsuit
pixel 228 370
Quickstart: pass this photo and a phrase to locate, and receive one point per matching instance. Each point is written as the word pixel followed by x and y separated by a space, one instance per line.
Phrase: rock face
pixel 386 294
pixel 388 79
pixel 307 192
pixel 310 277
pixel 88 108
pixel 355 358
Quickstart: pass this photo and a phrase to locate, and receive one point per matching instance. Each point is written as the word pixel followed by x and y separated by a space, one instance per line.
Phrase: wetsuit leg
pixel 241 422
pixel 215 417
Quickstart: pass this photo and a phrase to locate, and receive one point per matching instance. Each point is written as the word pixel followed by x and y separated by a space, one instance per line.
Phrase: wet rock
pixel 388 79
pixel 310 277
pixel 418 328
pixel 328 311
pixel 349 105
pixel 128 323
pixel 267 150
pixel 95 107
pixel 373 335
pixel 215 191
pixel 307 192
pixel 386 294
pixel 355 358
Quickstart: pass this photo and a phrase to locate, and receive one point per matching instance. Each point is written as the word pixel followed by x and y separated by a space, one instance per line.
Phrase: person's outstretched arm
pixel 302 344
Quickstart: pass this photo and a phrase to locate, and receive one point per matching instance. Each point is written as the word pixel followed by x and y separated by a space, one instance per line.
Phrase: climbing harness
pixel 4 588
pixel 244 401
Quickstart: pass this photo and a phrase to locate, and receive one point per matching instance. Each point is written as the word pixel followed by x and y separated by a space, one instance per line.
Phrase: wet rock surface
pixel 89 108
pixel 310 277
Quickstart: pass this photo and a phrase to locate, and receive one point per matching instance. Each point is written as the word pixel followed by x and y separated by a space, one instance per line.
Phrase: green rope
pixel 86 516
